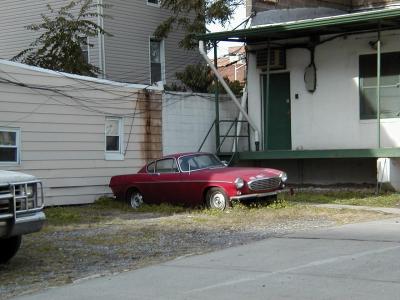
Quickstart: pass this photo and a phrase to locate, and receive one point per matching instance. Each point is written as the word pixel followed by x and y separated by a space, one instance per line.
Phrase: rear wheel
pixel 9 247
pixel 217 198
pixel 134 199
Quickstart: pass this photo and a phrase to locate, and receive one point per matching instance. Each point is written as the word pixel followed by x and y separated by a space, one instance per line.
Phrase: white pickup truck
pixel 21 210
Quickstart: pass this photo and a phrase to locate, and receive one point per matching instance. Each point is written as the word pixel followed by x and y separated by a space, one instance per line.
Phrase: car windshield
pixel 199 161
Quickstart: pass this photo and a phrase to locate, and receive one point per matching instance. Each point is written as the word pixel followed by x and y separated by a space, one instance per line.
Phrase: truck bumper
pixel 23 225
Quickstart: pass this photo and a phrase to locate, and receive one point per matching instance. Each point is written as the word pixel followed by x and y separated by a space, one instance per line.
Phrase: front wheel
pixel 217 198
pixel 9 247
pixel 135 199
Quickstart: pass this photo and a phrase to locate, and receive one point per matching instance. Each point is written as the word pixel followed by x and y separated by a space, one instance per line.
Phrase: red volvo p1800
pixel 193 179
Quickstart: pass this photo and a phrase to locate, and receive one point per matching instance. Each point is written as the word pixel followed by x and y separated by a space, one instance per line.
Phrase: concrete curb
pixel 388 210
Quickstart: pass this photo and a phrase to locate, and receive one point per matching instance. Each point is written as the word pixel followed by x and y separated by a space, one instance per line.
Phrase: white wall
pixel 187 118
pixel 329 118
pixel 62 123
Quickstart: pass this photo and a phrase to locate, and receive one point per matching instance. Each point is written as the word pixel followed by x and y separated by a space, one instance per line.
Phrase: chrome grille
pixel 265 184
pixel 16 195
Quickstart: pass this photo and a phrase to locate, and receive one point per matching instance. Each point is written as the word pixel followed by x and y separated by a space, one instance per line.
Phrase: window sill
pixel 114 156
pixel 9 164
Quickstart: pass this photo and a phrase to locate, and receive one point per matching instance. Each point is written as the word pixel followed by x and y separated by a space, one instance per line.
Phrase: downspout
pixel 231 94
pixel 100 37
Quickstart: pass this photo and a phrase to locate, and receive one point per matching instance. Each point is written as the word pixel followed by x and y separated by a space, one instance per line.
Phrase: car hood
pixel 247 174
pixel 7 177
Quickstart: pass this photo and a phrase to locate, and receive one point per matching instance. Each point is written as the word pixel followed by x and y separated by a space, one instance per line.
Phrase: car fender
pixel 131 188
pixel 214 185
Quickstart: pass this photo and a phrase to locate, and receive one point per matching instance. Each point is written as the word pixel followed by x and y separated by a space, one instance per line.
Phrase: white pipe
pixel 229 91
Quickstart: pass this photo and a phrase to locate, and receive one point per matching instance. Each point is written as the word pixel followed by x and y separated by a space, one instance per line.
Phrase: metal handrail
pixel 234 124
pixel 235 135
pixel 229 130
pixel 208 133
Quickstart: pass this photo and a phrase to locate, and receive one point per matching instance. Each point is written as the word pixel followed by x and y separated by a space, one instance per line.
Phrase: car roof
pixel 177 155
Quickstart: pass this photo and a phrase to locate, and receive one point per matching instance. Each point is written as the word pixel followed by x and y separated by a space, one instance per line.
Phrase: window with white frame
pixel 9 145
pixel 153 2
pixel 114 128
pixel 157 60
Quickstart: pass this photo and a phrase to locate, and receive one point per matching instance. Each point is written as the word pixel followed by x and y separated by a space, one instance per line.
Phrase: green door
pixel 277 131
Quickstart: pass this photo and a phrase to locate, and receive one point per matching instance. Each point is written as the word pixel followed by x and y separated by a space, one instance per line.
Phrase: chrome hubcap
pixel 218 201
pixel 136 200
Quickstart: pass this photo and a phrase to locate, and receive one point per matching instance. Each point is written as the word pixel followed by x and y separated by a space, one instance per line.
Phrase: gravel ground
pixel 123 240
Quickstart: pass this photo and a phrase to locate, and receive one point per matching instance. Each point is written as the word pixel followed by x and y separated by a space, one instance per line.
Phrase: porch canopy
pixel 344 24
pixel 308 33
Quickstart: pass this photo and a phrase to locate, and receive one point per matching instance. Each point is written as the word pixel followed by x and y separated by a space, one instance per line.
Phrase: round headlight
pixel 239 183
pixel 283 176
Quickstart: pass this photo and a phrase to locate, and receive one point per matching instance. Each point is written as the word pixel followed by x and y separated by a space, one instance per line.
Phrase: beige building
pixel 131 54
pixel 75 132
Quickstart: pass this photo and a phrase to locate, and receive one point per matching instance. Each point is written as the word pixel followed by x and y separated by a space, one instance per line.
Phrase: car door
pixel 166 183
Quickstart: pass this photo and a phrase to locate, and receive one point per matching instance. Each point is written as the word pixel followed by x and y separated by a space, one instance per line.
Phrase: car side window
pixel 151 167
pixel 167 165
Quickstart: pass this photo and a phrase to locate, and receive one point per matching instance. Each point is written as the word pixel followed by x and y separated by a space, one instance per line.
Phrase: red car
pixel 193 179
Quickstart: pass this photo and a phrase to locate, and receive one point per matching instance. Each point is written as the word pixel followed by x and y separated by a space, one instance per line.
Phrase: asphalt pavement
pixel 358 261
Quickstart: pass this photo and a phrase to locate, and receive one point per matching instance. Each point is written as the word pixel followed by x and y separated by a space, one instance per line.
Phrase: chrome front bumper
pixel 254 196
pixel 19 213
pixel 23 225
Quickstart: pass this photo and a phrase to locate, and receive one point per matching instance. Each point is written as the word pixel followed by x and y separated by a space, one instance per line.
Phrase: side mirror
pixel 225 163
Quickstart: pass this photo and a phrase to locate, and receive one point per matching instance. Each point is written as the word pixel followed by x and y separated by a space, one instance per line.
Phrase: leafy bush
pixel 199 79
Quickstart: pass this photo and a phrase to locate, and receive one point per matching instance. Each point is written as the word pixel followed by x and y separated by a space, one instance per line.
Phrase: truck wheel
pixel 9 247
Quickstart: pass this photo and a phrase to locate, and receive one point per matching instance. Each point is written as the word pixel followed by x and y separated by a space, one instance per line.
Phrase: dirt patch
pixel 115 239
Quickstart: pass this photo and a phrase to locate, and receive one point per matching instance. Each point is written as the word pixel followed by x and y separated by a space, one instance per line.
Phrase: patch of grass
pixel 361 198
pixel 164 209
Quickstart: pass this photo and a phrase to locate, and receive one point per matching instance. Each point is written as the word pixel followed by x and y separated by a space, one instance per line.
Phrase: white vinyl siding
pixel 15 15
pixel 63 138
pixel 128 58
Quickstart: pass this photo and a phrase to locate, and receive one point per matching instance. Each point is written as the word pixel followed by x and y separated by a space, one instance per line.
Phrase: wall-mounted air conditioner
pixel 277 59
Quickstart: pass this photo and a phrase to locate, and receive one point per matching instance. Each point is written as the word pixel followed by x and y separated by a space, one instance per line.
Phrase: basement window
pixel 114 138
pixel 390 86
pixel 9 145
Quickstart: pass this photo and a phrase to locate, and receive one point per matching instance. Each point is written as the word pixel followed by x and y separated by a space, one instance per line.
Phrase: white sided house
pixel 75 132
pixel 324 93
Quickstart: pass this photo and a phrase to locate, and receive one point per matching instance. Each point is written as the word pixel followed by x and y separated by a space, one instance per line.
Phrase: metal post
pixel 217 132
pixel 378 86
pixel 267 97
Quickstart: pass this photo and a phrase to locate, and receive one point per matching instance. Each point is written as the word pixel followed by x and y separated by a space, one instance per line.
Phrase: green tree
pixel 193 15
pixel 199 79
pixel 63 34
